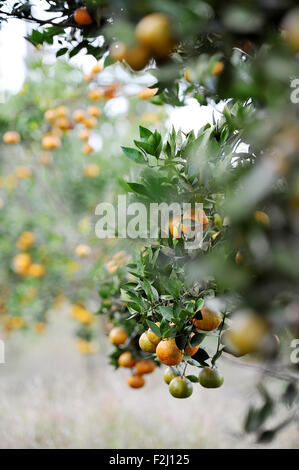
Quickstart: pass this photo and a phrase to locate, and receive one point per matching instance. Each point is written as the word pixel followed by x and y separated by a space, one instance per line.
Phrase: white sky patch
pixel 12 55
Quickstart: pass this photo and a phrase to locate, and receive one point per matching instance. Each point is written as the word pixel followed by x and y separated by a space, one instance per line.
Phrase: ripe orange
pixel 262 217
pixel 63 123
pixel 50 115
pixel 126 360
pixel 95 94
pixel 291 29
pixel 145 344
pixel 84 134
pixel 79 115
pixel 50 142
pixel 118 51
pixel 210 378
pixel 147 93
pixel 82 17
pixel 154 32
pixel 168 352
pixel 144 366
pixel 25 240
pixel 91 170
pixel 197 216
pixel 94 111
pixel 137 57
pixel 118 335
pixel 23 172
pixel 82 251
pixel 97 68
pixel 87 149
pixel 21 263
pixel 11 137
pixel 169 374
pixel 152 336
pixel 248 333
pixel 210 320
pixel 191 350
pixel 36 270
pixel 217 68
pixel 135 381
pixel 180 387
pixel 90 122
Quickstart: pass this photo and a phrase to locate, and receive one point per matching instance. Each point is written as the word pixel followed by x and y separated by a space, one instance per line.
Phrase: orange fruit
pixel 144 366
pixel 95 94
pixel 84 134
pixel 135 381
pixel 145 344
pixel 25 240
pixel 291 29
pixel 91 170
pixel 168 352
pixel 23 172
pixel 82 17
pixel 118 51
pixel 63 123
pixel 50 115
pixel 82 251
pixel 94 111
pixel 152 336
pixel 154 32
pixel 90 122
pixel 79 115
pixel 97 68
pixel 180 387
pixel 191 350
pixel 87 149
pixel 249 333
pixel 147 93
pixel 11 137
pixel 210 320
pixel 137 57
pixel 197 216
pixel 169 374
pixel 262 217
pixel 126 360
pixel 217 68
pixel 239 257
pixel 50 142
pixel 36 270
pixel 210 378
pixel 118 335
pixel 21 263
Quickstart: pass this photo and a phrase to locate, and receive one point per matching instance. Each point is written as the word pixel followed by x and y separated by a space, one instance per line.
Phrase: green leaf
pixel 144 133
pixel 192 378
pixel 201 356
pixel 197 339
pixel 61 52
pixel 133 154
pixel 166 312
pixel 155 329
pixel 181 341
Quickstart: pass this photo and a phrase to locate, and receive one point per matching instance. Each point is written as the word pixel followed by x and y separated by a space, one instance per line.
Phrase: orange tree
pixel 242 284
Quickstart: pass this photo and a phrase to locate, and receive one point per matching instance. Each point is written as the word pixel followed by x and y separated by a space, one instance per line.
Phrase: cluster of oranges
pixel 154 38
pixel 81 314
pixel 86 319
pixel 140 367
pixel 22 262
